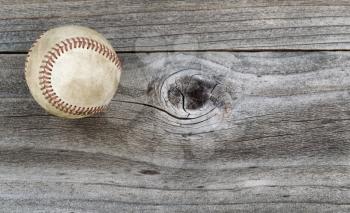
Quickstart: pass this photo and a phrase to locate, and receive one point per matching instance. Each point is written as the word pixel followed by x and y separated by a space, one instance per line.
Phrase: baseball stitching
pixel 48 64
pixel 30 50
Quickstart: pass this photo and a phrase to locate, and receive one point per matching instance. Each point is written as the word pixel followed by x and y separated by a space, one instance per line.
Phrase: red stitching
pixel 50 59
pixel 29 52
pixel 65 46
pixel 70 44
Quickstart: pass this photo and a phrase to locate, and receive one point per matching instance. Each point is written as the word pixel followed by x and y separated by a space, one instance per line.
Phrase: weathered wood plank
pixel 185 25
pixel 195 132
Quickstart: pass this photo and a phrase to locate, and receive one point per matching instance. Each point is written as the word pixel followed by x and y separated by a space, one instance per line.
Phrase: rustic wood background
pixel 223 106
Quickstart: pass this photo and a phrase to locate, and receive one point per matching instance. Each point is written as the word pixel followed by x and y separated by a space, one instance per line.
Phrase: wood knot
pixel 192 94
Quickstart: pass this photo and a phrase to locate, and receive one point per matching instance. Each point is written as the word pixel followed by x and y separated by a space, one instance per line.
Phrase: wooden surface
pixel 141 25
pixel 188 131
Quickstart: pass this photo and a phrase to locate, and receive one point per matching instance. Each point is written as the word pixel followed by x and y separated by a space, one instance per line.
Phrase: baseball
pixel 72 71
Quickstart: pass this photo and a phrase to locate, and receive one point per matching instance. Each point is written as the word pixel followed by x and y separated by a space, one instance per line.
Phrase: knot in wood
pixel 191 94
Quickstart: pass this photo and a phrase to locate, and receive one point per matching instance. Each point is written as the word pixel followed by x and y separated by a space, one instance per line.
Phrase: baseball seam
pixel 48 65
pixel 30 51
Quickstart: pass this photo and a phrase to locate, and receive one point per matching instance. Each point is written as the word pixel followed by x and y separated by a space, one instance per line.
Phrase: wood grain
pixel 187 132
pixel 185 25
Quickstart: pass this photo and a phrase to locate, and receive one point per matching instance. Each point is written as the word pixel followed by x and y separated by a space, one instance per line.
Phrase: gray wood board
pixel 184 25
pixel 195 132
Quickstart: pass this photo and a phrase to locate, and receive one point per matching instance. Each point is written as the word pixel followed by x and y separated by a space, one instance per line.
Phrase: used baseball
pixel 72 71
